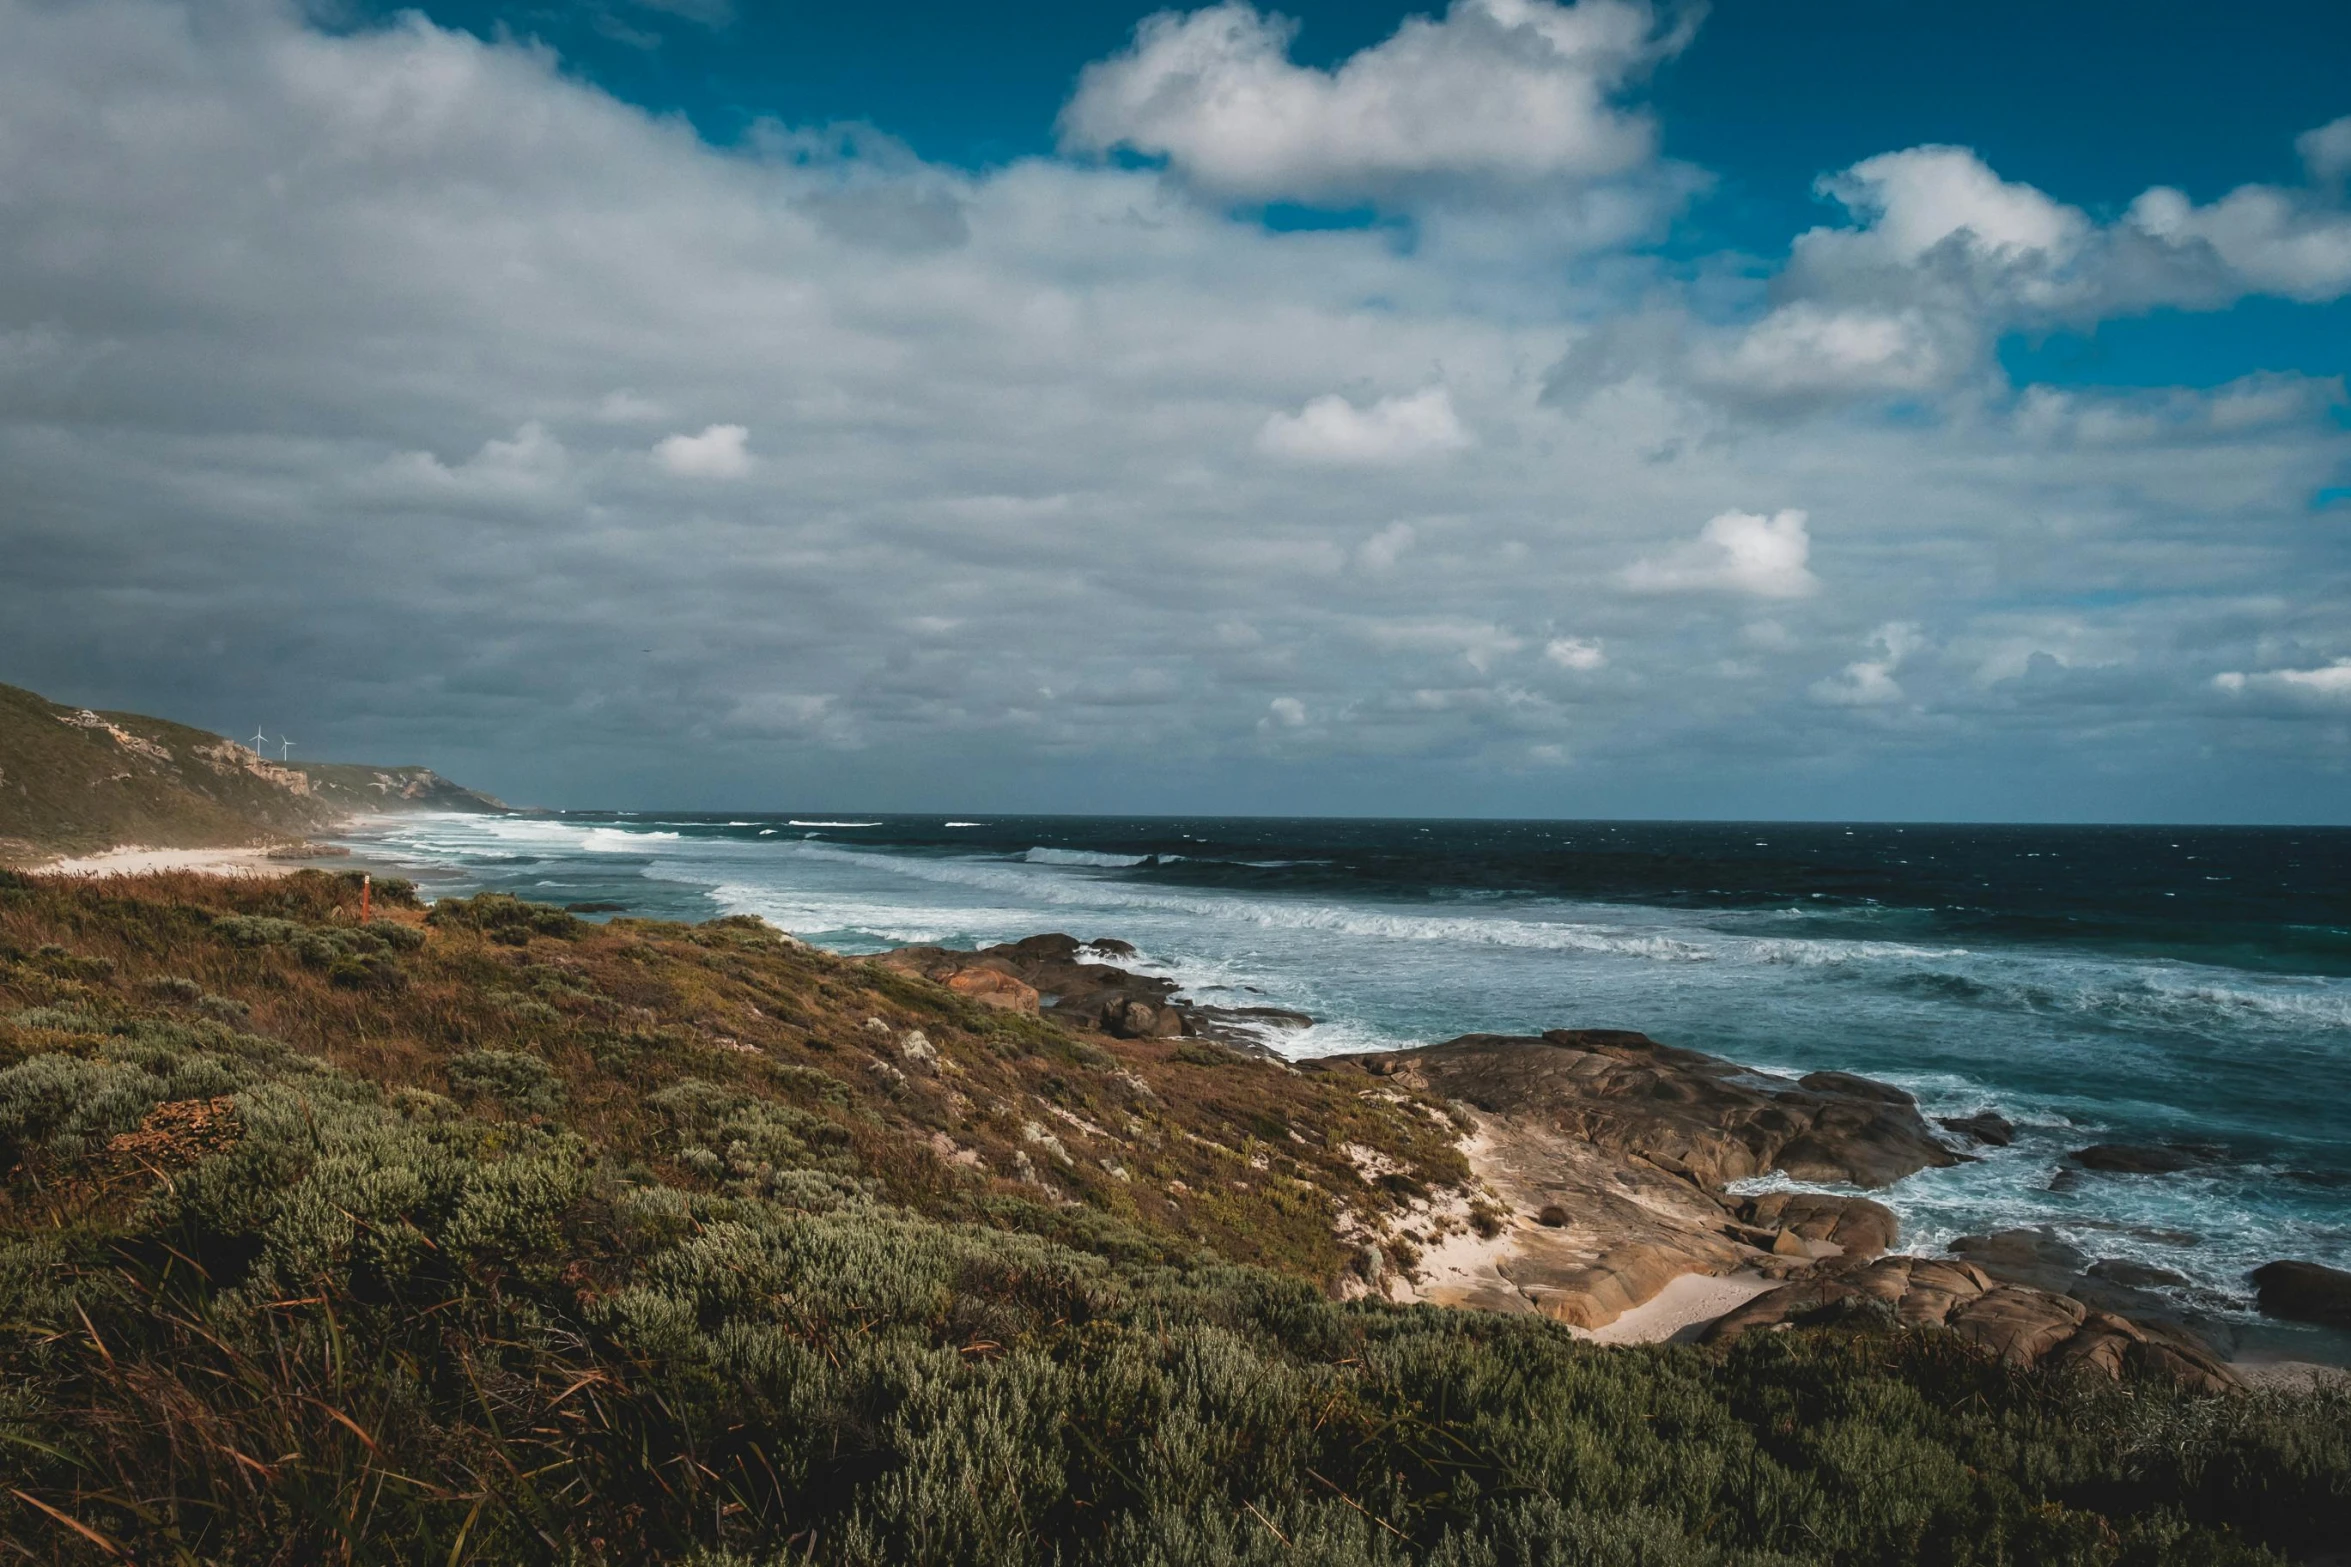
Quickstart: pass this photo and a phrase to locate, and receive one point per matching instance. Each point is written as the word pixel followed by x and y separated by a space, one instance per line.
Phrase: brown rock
pixel 1994 1131
pixel 1934 1289
pixel 2036 1257
pixel 993 988
pixel 1691 1114
pixel 1592 1297
pixel 2016 1324
pixel 1858 1228
pixel 2304 1292
pixel 2020 1325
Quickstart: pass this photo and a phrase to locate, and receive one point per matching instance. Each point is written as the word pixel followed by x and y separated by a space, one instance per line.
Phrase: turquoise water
pixel 2091 984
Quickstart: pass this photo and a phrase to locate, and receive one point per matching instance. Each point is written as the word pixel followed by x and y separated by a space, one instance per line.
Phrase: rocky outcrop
pixel 2019 1325
pixel 1612 1153
pixel 2304 1292
pixel 1985 1127
pixel 1684 1112
pixel 1812 1225
pixel 1606 1161
pixel 1066 979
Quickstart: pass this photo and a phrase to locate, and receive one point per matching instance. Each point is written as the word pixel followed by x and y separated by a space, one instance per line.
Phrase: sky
pixel 1783 408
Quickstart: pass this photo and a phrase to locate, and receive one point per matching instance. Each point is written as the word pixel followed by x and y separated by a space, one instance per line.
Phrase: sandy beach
pixel 140 862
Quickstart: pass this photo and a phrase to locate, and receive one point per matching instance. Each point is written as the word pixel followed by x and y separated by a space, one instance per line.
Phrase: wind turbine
pixel 285 748
pixel 259 739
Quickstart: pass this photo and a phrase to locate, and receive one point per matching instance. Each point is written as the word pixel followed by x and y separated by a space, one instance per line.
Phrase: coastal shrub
pixel 68 1105
pixel 523 1083
pixel 751 1143
pixel 400 938
pixel 765 1314
pixel 505 918
pixel 257 930
pixel 371 972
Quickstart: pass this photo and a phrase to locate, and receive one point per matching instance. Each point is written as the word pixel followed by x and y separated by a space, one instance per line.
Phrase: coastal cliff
pixel 73 781
pixel 482 1232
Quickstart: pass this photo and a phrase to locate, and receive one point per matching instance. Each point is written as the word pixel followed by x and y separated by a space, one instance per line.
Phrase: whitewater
pixel 2178 986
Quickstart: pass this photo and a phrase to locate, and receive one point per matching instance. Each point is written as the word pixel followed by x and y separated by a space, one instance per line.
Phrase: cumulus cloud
pixel 2326 151
pixel 1736 552
pixel 1509 91
pixel 719 452
pixel 1807 350
pixel 1869 682
pixel 1582 654
pixel 1923 198
pixel 1006 539
pixel 2255 240
pixel 2327 683
pixel 1402 428
pixel 1940 256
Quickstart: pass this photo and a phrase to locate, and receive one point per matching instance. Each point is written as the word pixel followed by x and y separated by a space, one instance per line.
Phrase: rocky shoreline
pixel 1604 1165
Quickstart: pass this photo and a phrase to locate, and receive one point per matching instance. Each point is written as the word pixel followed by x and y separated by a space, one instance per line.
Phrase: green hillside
pixel 490 1236
pixel 75 781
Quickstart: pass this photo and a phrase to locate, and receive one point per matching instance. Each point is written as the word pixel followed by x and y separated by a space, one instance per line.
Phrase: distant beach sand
pixel 140 862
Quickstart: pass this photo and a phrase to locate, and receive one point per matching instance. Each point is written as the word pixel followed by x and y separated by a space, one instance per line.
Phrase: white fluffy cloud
pixel 1869 682
pixel 721 451
pixel 2326 151
pixel 1405 427
pixel 2327 683
pixel 1514 91
pixel 2257 239
pixel 314 344
pixel 1923 198
pixel 1942 256
pixel 1582 654
pixel 1736 552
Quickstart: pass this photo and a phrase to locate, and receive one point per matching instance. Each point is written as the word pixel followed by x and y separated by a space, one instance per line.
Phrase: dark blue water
pixel 2091 984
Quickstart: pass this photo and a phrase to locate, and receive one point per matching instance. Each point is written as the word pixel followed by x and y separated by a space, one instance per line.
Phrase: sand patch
pixel 1683 1306
pixel 142 862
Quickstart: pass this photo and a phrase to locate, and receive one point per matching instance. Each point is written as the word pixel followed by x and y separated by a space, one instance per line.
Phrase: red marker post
pixel 367 885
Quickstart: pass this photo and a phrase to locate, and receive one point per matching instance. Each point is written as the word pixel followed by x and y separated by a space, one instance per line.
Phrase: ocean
pixel 2178 985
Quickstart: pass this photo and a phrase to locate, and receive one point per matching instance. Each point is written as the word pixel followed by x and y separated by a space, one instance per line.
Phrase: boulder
pixel 1853 1226
pixel 1596 1294
pixel 1125 1017
pixel 2304 1292
pixel 2037 1257
pixel 2014 1323
pixel 1705 1119
pixel 993 988
pixel 1993 1131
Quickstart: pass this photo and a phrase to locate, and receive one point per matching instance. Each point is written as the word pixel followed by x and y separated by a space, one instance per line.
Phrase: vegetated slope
pixel 496 1236
pixel 73 781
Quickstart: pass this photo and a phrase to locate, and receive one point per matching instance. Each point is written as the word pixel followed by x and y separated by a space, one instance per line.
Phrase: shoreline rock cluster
pixel 1060 977
pixel 1608 1161
pixel 1635 1146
